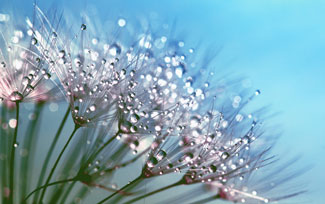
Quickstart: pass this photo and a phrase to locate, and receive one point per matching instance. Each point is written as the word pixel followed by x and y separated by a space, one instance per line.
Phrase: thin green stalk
pixel 29 145
pixel 82 193
pixel 50 152
pixel 126 163
pixel 4 149
pixel 45 186
pixel 57 161
pixel 122 189
pixel 153 192
pixel 100 150
pixel 12 158
pixel 67 192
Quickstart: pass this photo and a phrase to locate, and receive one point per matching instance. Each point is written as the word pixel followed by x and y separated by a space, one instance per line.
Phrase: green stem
pixel 4 151
pixel 100 150
pixel 47 185
pixel 50 152
pixel 67 192
pixel 125 163
pixel 57 161
pixel 29 145
pixel 12 158
pixel 121 190
pixel 82 193
pixel 153 192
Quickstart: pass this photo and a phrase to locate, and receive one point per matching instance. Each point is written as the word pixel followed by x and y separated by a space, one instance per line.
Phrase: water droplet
pixel 224 155
pixel 92 108
pixel 16 145
pixel 239 117
pixel 34 41
pixel 188 156
pixel 47 76
pixel 161 154
pixel 134 118
pixel 115 49
pixel 246 139
pixel 54 35
pixel 121 22
pixel 62 54
pixel 212 168
pixel 133 129
pixel 2 64
pixel 83 27
pixel 257 92
pixel 25 81
pixel 152 162
pixel 125 126
pixel 12 123
pixel 134 144
pixel 16 96
pixel 179 71
pixel 194 122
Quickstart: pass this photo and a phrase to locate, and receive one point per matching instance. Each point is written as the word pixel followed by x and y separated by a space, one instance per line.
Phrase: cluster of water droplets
pixel 23 73
pixel 148 90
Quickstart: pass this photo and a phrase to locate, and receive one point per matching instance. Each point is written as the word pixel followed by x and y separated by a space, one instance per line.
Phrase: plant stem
pixel 12 157
pixel 123 188
pixel 126 163
pixel 29 145
pixel 4 150
pixel 50 152
pixel 45 186
pixel 153 192
pixel 100 149
pixel 67 192
pixel 57 161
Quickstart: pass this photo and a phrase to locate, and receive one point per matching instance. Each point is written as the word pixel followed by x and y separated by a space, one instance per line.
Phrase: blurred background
pixel 277 44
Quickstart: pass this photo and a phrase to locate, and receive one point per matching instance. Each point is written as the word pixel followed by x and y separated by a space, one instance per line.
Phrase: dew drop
pixel 133 129
pixel 25 81
pixel 62 54
pixel 34 41
pixel 212 168
pixel 134 118
pixel 12 123
pixel 115 49
pixel 2 64
pixel 125 126
pixel 121 22
pixel 47 76
pixel 194 122
pixel 54 35
pixel 152 162
pixel 92 108
pixel 246 139
pixel 16 96
pixel 83 27
pixel 134 144
pixel 161 154
pixel 257 92
pixel 224 155
pixel 188 156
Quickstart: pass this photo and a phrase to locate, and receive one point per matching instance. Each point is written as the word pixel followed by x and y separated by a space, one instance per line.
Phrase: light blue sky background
pixel 278 44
